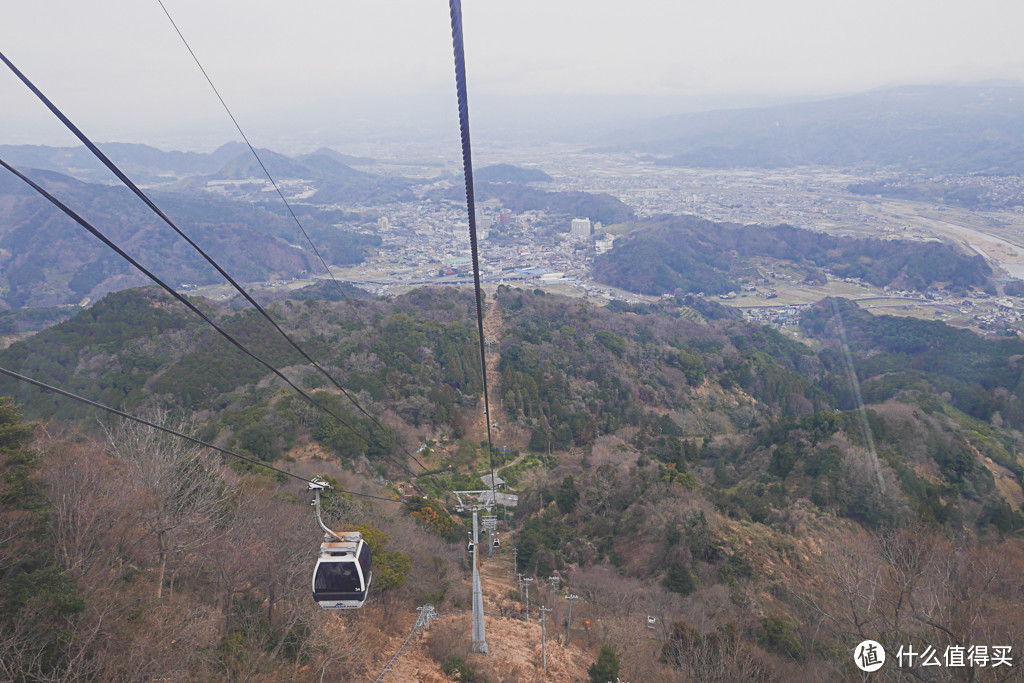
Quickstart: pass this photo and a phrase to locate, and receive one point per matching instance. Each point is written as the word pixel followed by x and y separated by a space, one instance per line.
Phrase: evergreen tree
pixel 38 600
pixel 606 668
pixel 680 579
pixel 568 495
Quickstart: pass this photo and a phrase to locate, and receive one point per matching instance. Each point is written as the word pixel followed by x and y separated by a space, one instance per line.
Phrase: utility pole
pixel 515 563
pixel 526 582
pixel 568 624
pixel 553 580
pixel 543 636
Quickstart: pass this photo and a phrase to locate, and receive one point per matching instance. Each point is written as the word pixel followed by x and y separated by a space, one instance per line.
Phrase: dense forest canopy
pixel 570 375
pixel 678 459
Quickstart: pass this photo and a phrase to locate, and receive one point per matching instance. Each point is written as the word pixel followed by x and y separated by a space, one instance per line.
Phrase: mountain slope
pixel 48 259
pixel 507 173
pixel 961 129
pixel 715 477
pixel 668 253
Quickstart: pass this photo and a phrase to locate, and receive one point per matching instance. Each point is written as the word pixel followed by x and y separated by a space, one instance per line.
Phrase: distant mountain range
pixel 46 259
pixel 958 129
pixel 141 162
pixel 507 173
pixel 336 182
pixel 147 164
pixel 315 166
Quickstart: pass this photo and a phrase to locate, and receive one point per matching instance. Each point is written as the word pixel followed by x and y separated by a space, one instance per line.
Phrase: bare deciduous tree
pixel 720 656
pixel 911 585
pixel 178 489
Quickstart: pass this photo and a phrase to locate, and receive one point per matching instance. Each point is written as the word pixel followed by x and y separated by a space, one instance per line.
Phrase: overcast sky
pixel 295 70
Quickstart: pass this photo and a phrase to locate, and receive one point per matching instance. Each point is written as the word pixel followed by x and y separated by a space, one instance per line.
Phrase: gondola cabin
pixel 343 572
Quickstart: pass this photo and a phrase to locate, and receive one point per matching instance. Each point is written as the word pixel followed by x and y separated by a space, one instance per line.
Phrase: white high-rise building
pixel 580 228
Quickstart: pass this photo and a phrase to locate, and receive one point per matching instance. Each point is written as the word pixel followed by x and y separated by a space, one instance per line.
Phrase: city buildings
pixel 581 228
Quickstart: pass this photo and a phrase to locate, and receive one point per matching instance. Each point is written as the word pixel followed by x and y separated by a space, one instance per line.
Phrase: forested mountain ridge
pixel 714 474
pixel 571 375
pixel 49 260
pixel 670 253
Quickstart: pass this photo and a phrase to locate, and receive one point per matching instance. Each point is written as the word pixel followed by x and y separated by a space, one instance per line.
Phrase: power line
pixel 252 149
pixel 200 442
pixel 455 7
pixel 192 307
pixel 149 202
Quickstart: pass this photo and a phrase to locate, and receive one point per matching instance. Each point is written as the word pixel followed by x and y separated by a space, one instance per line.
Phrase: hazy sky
pixel 294 70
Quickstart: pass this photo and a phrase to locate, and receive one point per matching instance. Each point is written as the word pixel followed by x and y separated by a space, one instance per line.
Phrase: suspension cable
pixel 455 7
pixel 163 216
pixel 259 159
pixel 192 307
pixel 200 442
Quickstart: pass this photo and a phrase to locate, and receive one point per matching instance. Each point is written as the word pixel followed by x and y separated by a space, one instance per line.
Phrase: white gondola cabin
pixel 343 572
pixel 344 568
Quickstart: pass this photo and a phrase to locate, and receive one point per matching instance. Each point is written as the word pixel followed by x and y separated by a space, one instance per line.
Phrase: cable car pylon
pixel 479 635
